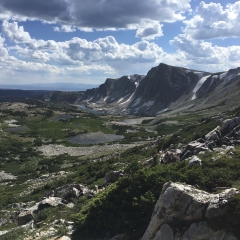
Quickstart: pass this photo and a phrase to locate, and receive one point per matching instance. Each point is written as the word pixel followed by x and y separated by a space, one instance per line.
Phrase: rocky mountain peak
pixel 163 87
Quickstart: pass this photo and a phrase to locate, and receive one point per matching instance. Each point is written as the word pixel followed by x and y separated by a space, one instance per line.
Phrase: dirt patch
pixel 54 149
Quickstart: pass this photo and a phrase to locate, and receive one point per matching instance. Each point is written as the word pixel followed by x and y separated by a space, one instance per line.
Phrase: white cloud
pixel 3 50
pixel 206 56
pixel 149 30
pixel 104 56
pixel 65 28
pixel 99 15
pixel 15 33
pixel 213 21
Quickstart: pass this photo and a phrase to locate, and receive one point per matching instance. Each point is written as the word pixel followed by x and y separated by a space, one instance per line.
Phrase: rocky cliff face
pixel 112 90
pixel 164 87
pixel 182 212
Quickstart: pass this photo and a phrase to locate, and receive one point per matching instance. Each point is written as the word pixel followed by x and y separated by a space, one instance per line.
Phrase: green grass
pixel 137 192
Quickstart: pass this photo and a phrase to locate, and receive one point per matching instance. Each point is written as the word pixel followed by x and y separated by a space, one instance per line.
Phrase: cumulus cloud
pixel 103 55
pixel 149 30
pixel 214 21
pixel 65 28
pixel 206 56
pixel 210 21
pixel 3 50
pixel 100 15
pixel 105 49
pixel 15 33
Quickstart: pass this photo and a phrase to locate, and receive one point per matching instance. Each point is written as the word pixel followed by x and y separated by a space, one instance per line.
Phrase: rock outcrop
pixel 181 212
pixel 225 137
pixel 112 177
pixel 24 217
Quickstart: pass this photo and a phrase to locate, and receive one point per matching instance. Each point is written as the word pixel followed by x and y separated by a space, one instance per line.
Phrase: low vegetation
pixel 136 192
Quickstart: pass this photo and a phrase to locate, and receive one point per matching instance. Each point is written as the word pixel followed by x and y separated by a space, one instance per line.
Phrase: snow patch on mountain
pixel 163 110
pixel 121 99
pixel 223 75
pixel 199 84
pixel 129 99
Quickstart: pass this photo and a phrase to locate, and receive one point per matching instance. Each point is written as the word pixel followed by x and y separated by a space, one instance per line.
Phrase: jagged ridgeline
pixel 164 87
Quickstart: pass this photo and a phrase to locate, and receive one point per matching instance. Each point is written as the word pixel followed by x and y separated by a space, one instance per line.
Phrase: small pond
pixel 16 129
pixel 95 137
pixel 133 121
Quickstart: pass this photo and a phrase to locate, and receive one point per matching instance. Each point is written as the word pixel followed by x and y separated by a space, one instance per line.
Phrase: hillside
pixel 52 186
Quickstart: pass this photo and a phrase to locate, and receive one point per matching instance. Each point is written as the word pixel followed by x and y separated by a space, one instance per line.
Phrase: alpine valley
pixel 153 156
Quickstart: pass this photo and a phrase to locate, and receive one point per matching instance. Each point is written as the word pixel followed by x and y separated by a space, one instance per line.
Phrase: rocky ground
pixel 55 149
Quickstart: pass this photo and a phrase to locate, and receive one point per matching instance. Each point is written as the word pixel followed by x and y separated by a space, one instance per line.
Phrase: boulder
pixel 235 132
pixel 177 202
pixel 194 160
pixel 186 154
pixel 70 191
pixel 229 124
pixel 170 157
pixel 186 208
pixel 215 134
pixel 50 202
pixel 113 176
pixel 24 217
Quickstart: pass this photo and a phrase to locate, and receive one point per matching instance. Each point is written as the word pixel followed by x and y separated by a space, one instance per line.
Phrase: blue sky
pixel 76 41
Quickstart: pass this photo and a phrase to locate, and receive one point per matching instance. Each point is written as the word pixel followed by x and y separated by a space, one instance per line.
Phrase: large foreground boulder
pixel 183 205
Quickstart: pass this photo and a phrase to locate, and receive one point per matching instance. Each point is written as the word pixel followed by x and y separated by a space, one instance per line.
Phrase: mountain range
pixel 165 88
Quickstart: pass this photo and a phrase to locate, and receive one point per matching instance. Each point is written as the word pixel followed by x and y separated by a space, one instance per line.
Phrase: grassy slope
pixel 136 193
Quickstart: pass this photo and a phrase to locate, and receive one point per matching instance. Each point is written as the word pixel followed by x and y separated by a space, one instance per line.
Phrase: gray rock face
pixel 218 205
pixel 229 124
pixel 194 160
pixel 111 90
pixel 215 134
pixel 50 202
pixel 170 157
pixel 199 231
pixel 24 217
pixel 165 233
pixel 186 204
pixel 71 190
pixel 163 87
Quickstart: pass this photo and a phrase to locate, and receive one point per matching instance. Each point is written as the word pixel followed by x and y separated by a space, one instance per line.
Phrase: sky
pixel 87 41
